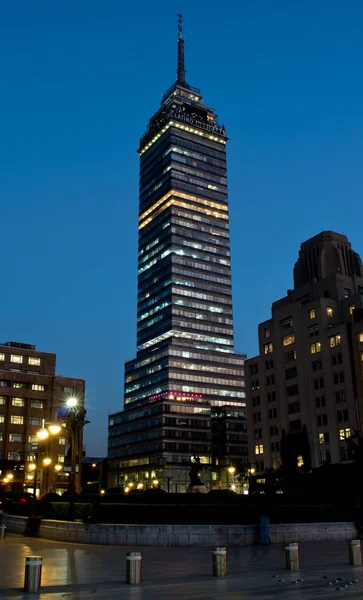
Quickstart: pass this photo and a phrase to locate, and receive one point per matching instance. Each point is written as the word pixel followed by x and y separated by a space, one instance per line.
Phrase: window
pixel 257 417
pixel 254 369
pixel 270 380
pixel 320 401
pixel 267 348
pixel 13 455
pixel 339 377
pixel 313 330
pixel 18 385
pixel 38 387
pixel 340 396
pixel 317 365
pixel 272 413
pixel 2 356
pixel 61 458
pixel 34 361
pixel 289 339
pixel 16 358
pixel 351 309
pixel 312 313
pixel 37 404
pixel 274 430
pixel 287 323
pixel 292 390
pixel 342 415
pixel 1 437
pixel 35 421
pixel 17 420
pixel 259 449
pixel 334 340
pixel 267 332
pixel 4 383
pixel 257 434
pixel 269 364
pixel 68 390
pixel 271 396
pixel 2 401
pixel 15 437
pixel 256 401
pixel 314 348
pixel 290 373
pixel 337 359
pixel 289 356
pixel 33 439
pixel 344 433
pixel 360 339
pixel 2 418
pixel 293 407
pixel 324 437
pixel 255 385
pixel 322 420
pixel 318 383
pixel 329 311
pixel 17 402
pixel 325 456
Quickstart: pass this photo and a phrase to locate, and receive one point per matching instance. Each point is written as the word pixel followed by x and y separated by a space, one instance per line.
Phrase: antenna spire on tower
pixel 181 67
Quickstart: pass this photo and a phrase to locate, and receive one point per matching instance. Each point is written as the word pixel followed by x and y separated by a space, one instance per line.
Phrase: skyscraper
pixel 185 364
pixel 305 388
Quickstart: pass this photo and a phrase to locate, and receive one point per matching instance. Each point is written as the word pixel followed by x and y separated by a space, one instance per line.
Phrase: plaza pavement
pixel 85 572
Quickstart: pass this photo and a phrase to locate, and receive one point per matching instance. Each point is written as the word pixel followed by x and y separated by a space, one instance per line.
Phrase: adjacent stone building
pixel 30 391
pixel 305 389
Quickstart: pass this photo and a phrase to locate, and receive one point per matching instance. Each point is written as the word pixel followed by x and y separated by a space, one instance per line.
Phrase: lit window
pixel 16 358
pixel 13 455
pixel 16 420
pixel 61 458
pixel 2 356
pixel 344 433
pixel 62 440
pixel 268 348
pixel 329 311
pixel 267 332
pixel 17 402
pixel 312 313
pixel 37 404
pixel 300 461
pixel 351 309
pixel 1 436
pixel 17 385
pixel 15 437
pixel 34 361
pixel 334 340
pixel 289 339
pixel 33 439
pixel 361 337
pixel 321 438
pixel 2 418
pixel 2 400
pixel 314 348
pixel 259 449
pixel 38 387
pixel 361 356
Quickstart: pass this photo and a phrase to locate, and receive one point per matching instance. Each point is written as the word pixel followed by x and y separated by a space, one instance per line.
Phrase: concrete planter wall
pixel 180 535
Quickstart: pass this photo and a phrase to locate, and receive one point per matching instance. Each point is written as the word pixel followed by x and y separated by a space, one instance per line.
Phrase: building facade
pixel 185 365
pixel 31 392
pixel 304 390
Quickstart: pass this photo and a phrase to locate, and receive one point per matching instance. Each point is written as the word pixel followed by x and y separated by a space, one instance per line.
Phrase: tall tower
pixel 185 348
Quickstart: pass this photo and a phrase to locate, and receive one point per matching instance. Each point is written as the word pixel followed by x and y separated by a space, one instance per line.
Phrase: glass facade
pixel 185 346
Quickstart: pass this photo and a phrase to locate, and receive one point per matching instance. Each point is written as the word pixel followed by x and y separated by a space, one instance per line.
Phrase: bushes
pixel 60 511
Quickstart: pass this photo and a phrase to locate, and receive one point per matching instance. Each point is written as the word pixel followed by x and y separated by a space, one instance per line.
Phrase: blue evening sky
pixel 79 80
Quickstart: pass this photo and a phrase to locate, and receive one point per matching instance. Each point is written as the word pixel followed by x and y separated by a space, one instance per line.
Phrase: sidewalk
pixel 85 572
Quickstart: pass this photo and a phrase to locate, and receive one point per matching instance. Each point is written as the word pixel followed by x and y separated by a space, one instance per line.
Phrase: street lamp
pixel 47 461
pixel 155 482
pixel 232 470
pixel 58 468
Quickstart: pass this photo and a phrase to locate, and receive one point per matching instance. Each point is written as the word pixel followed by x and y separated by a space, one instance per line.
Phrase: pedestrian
pixel 264 508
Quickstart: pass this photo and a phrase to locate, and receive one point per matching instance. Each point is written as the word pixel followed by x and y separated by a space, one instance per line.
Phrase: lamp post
pixel 43 435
